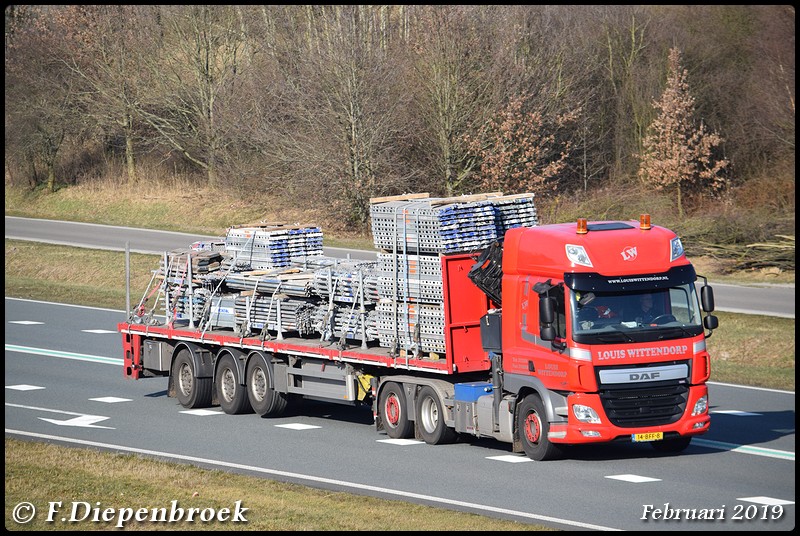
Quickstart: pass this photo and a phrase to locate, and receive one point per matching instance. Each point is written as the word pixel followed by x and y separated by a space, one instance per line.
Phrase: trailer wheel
pixel 263 398
pixel 533 427
pixel 430 418
pixel 231 393
pixel 191 391
pixel 393 411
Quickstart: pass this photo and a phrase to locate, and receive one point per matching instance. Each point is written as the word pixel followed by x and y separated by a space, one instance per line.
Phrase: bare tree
pixel 100 48
pixel 41 106
pixel 194 71
pixel 455 89
pixel 677 154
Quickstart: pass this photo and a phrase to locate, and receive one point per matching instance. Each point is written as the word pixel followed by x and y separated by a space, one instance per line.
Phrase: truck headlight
pixel 701 406
pixel 585 414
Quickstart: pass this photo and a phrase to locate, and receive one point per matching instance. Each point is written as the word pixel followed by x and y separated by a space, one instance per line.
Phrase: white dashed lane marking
pixel 635 479
pixel 202 412
pixel 510 458
pixel 23 387
pixel 737 413
pixel 297 426
pixel 110 399
pixel 25 322
pixel 765 500
pixel 401 441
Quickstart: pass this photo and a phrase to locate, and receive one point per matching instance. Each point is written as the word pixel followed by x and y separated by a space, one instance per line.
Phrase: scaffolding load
pixel 413 232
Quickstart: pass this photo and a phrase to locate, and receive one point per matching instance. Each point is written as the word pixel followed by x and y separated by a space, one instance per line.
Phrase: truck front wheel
pixel 533 427
pixel 191 391
pixel 394 412
pixel 430 418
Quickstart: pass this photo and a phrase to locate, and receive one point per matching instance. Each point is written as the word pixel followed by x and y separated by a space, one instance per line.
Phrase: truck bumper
pixel 577 432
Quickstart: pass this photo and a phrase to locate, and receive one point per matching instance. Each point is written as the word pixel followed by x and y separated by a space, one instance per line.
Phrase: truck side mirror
pixel 547 315
pixel 711 322
pixel 547 333
pixel 707 298
pixel 547 310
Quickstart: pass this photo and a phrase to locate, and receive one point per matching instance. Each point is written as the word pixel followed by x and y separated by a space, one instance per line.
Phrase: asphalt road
pixel 768 300
pixel 64 384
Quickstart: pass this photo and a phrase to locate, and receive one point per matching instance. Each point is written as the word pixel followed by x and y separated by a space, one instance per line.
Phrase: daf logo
pixel 637 377
pixel 629 253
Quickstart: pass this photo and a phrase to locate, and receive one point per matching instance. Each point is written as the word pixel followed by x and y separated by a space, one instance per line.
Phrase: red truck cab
pixel 583 362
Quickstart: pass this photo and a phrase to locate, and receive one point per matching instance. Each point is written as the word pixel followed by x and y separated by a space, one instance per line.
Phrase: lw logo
pixel 629 253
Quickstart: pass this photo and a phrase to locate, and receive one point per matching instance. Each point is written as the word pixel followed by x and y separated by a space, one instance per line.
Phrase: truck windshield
pixel 640 315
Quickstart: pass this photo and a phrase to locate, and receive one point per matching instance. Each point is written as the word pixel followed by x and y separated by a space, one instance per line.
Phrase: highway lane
pixel 63 364
pixel 768 300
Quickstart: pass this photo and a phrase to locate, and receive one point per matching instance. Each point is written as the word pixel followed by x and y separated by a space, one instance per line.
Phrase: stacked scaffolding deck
pixel 410 277
pixel 272 245
pixel 416 234
pixel 451 225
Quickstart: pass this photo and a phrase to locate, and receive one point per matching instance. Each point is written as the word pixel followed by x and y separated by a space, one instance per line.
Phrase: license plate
pixel 649 436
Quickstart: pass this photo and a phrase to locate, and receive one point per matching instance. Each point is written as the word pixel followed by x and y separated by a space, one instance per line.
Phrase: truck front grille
pixel 652 406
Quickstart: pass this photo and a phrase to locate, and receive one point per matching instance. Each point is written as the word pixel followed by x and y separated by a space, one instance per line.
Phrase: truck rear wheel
pixel 430 418
pixel 263 397
pixel 533 427
pixel 191 391
pixel 394 414
pixel 231 393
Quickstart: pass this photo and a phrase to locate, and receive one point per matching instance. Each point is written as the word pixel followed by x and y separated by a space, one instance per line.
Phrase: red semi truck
pixel 545 345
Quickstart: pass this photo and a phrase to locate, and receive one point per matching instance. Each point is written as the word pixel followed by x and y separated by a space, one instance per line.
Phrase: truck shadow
pixel 750 429
pixel 729 429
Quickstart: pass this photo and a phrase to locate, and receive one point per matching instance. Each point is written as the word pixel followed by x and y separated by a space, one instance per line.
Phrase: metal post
pixel 128 279
pixel 191 290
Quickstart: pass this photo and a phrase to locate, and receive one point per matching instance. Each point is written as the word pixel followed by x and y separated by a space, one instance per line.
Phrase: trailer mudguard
pixel 202 358
pixel 239 357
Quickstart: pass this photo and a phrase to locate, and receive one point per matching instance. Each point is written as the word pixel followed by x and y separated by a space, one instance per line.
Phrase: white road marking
pixel 401 441
pixel 510 458
pixel 23 387
pixel 25 322
pixel 737 413
pixel 635 479
pixel 765 500
pixel 84 421
pixel 203 412
pixel 111 399
pixel 99 331
pixel 297 426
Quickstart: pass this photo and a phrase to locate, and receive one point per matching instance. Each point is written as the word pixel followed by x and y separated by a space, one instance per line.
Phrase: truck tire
pixel 393 410
pixel 232 395
pixel 430 418
pixel 263 398
pixel 533 427
pixel 191 391
pixel 672 445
